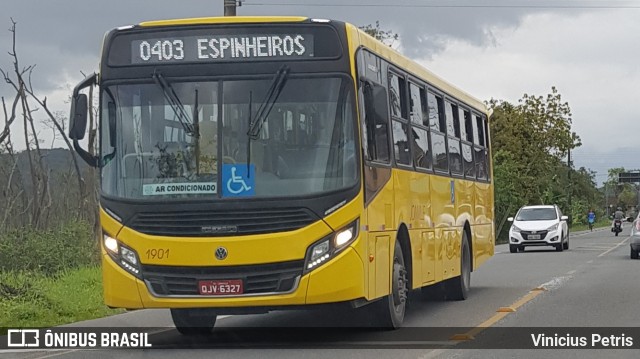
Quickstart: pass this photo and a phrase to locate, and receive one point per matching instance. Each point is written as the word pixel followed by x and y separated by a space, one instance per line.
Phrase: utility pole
pixel 230 7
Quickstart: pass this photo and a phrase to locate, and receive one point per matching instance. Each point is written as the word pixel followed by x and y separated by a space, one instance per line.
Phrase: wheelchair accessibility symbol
pixel 236 181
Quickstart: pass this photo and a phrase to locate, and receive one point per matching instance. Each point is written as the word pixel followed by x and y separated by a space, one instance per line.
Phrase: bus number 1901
pixel 162 50
pixel 157 253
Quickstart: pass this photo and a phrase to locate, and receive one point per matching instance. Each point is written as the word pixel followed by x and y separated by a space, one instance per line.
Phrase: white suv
pixel 539 226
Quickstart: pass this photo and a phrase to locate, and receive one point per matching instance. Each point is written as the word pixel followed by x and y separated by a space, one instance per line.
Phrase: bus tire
pixel 391 309
pixel 457 288
pixel 193 321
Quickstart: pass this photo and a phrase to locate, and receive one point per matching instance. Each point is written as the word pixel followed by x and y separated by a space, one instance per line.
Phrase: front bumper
pixel 544 238
pixel 341 279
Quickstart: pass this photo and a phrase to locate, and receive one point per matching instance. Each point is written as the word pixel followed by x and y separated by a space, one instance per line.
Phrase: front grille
pixel 257 279
pixel 526 234
pixel 222 223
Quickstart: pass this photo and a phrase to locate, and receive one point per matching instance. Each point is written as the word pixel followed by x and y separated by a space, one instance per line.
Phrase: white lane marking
pixel 612 248
pixel 571 272
pixel 432 354
pixel 591 261
pixel 555 283
pixel 57 354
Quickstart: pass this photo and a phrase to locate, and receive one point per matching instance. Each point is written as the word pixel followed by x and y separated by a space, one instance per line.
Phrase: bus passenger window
pixel 436 118
pixel 465 126
pixel 418 106
pixel 421 155
pixel 455 160
pixel 397 96
pixel 467 157
pixel 440 161
pixel 451 114
pixel 401 143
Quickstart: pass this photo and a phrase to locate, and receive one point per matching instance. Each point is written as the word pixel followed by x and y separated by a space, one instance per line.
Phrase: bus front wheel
pixel 198 321
pixel 390 310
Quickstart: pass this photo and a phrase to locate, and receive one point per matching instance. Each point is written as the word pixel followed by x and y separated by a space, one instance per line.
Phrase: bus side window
pixel 466 134
pixel 437 124
pixel 453 141
pixel 480 153
pixel 376 123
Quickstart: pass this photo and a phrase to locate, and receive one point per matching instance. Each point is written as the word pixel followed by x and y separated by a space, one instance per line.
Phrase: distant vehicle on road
pixel 542 225
pixel 635 238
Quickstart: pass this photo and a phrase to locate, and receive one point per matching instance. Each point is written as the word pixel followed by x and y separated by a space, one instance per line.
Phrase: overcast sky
pixel 589 50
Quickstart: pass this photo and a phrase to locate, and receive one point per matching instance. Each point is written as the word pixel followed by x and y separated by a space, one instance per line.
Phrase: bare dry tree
pixel 40 201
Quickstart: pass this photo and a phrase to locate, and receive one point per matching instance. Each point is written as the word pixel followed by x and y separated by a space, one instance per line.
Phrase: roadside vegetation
pixel 49 268
pixel 49 277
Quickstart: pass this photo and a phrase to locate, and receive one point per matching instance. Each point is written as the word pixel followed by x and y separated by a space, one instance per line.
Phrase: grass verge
pixel 31 299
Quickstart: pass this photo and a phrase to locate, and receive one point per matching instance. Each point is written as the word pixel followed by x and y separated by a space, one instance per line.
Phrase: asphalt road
pixel 593 285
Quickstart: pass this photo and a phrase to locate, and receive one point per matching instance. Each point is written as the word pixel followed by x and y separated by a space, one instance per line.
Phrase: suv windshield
pixel 306 145
pixel 536 214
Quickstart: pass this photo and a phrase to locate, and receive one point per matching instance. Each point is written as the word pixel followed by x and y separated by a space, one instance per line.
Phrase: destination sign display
pixel 222 48
pixel 223 44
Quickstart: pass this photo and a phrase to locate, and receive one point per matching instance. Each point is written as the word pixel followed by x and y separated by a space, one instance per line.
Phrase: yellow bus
pixel 251 164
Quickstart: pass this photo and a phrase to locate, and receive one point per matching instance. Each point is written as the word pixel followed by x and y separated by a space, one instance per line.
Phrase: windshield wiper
pixel 174 101
pixel 269 100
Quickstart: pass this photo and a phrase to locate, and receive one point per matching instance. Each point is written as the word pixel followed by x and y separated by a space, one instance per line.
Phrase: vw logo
pixel 221 253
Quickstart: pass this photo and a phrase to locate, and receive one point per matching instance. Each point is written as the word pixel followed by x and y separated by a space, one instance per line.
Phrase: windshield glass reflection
pixel 306 145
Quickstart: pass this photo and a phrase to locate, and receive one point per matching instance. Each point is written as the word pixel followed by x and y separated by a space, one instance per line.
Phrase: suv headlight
pixel 553 228
pixel 327 248
pixel 126 257
pixel 515 229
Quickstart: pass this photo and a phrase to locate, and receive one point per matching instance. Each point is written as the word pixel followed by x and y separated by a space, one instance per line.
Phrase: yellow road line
pixel 502 312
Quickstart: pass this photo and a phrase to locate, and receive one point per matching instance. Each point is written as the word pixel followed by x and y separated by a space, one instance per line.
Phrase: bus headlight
pixel 123 255
pixel 323 250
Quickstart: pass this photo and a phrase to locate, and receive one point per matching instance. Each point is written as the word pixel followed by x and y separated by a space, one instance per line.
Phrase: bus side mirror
pixel 78 117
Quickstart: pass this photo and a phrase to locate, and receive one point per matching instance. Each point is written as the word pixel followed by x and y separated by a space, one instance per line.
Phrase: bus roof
pixel 391 55
pixel 224 20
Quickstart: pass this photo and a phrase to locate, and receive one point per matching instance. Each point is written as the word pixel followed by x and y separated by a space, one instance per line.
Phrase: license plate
pixel 533 236
pixel 220 287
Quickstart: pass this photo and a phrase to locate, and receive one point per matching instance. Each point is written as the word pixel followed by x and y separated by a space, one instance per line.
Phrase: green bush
pixel 30 299
pixel 51 251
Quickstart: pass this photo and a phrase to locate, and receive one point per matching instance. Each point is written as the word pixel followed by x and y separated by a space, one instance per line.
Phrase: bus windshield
pixel 306 144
